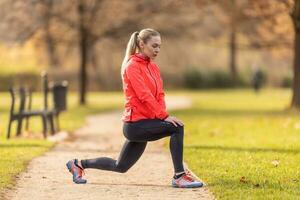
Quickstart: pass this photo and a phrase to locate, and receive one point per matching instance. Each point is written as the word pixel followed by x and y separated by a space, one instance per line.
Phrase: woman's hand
pixel 174 121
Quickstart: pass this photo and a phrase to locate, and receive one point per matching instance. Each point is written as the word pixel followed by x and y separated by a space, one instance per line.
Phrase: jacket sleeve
pixel 161 94
pixel 143 92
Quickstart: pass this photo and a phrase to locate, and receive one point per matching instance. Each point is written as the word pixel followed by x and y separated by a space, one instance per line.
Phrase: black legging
pixel 138 134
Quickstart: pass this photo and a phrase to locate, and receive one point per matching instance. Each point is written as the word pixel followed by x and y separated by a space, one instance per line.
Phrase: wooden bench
pixel 21 109
pixel 21 106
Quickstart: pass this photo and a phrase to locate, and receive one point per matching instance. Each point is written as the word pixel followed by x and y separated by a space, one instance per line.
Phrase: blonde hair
pixel 133 43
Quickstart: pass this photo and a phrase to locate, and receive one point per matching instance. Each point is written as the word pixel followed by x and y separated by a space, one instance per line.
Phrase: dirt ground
pixel 47 178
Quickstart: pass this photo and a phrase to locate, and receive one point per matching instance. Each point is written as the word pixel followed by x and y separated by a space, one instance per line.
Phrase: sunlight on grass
pixel 245 146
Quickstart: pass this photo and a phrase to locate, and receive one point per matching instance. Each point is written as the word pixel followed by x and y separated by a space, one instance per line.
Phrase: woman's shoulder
pixel 132 64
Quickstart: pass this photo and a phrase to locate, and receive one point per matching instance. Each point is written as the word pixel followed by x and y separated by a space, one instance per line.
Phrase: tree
pixel 65 24
pixel 269 12
pixel 255 20
pixel 62 26
pixel 232 15
pixel 47 35
pixel 296 83
pixel 266 15
pixel 99 19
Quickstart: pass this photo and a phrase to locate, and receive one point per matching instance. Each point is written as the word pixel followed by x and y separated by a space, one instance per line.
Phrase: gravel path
pixel 47 178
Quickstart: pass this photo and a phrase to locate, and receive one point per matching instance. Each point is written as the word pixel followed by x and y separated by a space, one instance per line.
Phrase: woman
pixel 145 117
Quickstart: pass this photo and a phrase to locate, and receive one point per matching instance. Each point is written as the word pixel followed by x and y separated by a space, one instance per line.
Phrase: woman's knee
pixel 180 129
pixel 122 169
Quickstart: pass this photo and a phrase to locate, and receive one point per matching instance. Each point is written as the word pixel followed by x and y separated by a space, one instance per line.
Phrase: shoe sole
pixel 188 186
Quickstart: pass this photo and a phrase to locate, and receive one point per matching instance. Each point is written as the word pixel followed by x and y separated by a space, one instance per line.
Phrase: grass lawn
pixel 17 152
pixel 243 145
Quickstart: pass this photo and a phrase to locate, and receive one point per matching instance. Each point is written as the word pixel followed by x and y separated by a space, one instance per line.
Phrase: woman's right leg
pixel 130 153
pixel 154 129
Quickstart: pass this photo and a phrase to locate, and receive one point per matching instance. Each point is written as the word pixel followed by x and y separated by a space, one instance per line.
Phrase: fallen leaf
pixel 275 163
pixel 243 179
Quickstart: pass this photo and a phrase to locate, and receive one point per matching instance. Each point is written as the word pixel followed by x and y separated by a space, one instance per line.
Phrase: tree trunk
pixel 53 60
pixel 296 82
pixel 83 54
pixel 233 53
pixel 232 41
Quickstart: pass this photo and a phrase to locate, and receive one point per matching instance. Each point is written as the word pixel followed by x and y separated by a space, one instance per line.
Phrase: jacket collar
pixel 140 58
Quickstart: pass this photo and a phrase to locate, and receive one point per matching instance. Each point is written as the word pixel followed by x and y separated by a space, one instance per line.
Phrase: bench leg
pixel 51 122
pixel 9 128
pixel 19 127
pixel 44 119
pixel 57 122
pixel 27 123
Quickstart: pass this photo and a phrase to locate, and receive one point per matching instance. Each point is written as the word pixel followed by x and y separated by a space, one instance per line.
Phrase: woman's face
pixel 152 47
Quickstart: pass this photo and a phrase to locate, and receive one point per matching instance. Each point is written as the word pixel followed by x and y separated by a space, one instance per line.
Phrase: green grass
pixel 17 152
pixel 234 138
pixel 14 156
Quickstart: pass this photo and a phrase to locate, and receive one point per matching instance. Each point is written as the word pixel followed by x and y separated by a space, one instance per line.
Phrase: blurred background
pixel 205 43
pixel 237 61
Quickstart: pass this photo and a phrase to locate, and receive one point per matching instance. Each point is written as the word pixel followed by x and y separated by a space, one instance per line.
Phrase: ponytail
pixel 130 49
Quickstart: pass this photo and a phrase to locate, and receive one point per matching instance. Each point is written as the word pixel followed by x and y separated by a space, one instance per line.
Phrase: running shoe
pixel 76 171
pixel 186 181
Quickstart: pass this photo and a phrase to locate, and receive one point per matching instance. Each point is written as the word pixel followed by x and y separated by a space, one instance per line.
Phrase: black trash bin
pixel 60 96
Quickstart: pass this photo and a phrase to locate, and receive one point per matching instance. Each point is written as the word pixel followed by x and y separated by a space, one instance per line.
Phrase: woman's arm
pixel 161 101
pixel 161 95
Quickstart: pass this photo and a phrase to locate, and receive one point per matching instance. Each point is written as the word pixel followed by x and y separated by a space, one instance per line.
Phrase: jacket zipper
pixel 153 79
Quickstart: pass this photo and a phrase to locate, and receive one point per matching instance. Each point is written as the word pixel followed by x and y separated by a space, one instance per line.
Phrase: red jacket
pixel 143 89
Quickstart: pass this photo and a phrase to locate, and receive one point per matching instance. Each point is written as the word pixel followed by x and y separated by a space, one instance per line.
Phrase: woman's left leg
pixel 130 153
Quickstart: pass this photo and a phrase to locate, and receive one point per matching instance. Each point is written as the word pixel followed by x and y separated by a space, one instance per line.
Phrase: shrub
pixel 220 79
pixel 287 82
pixel 195 79
pixel 30 79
